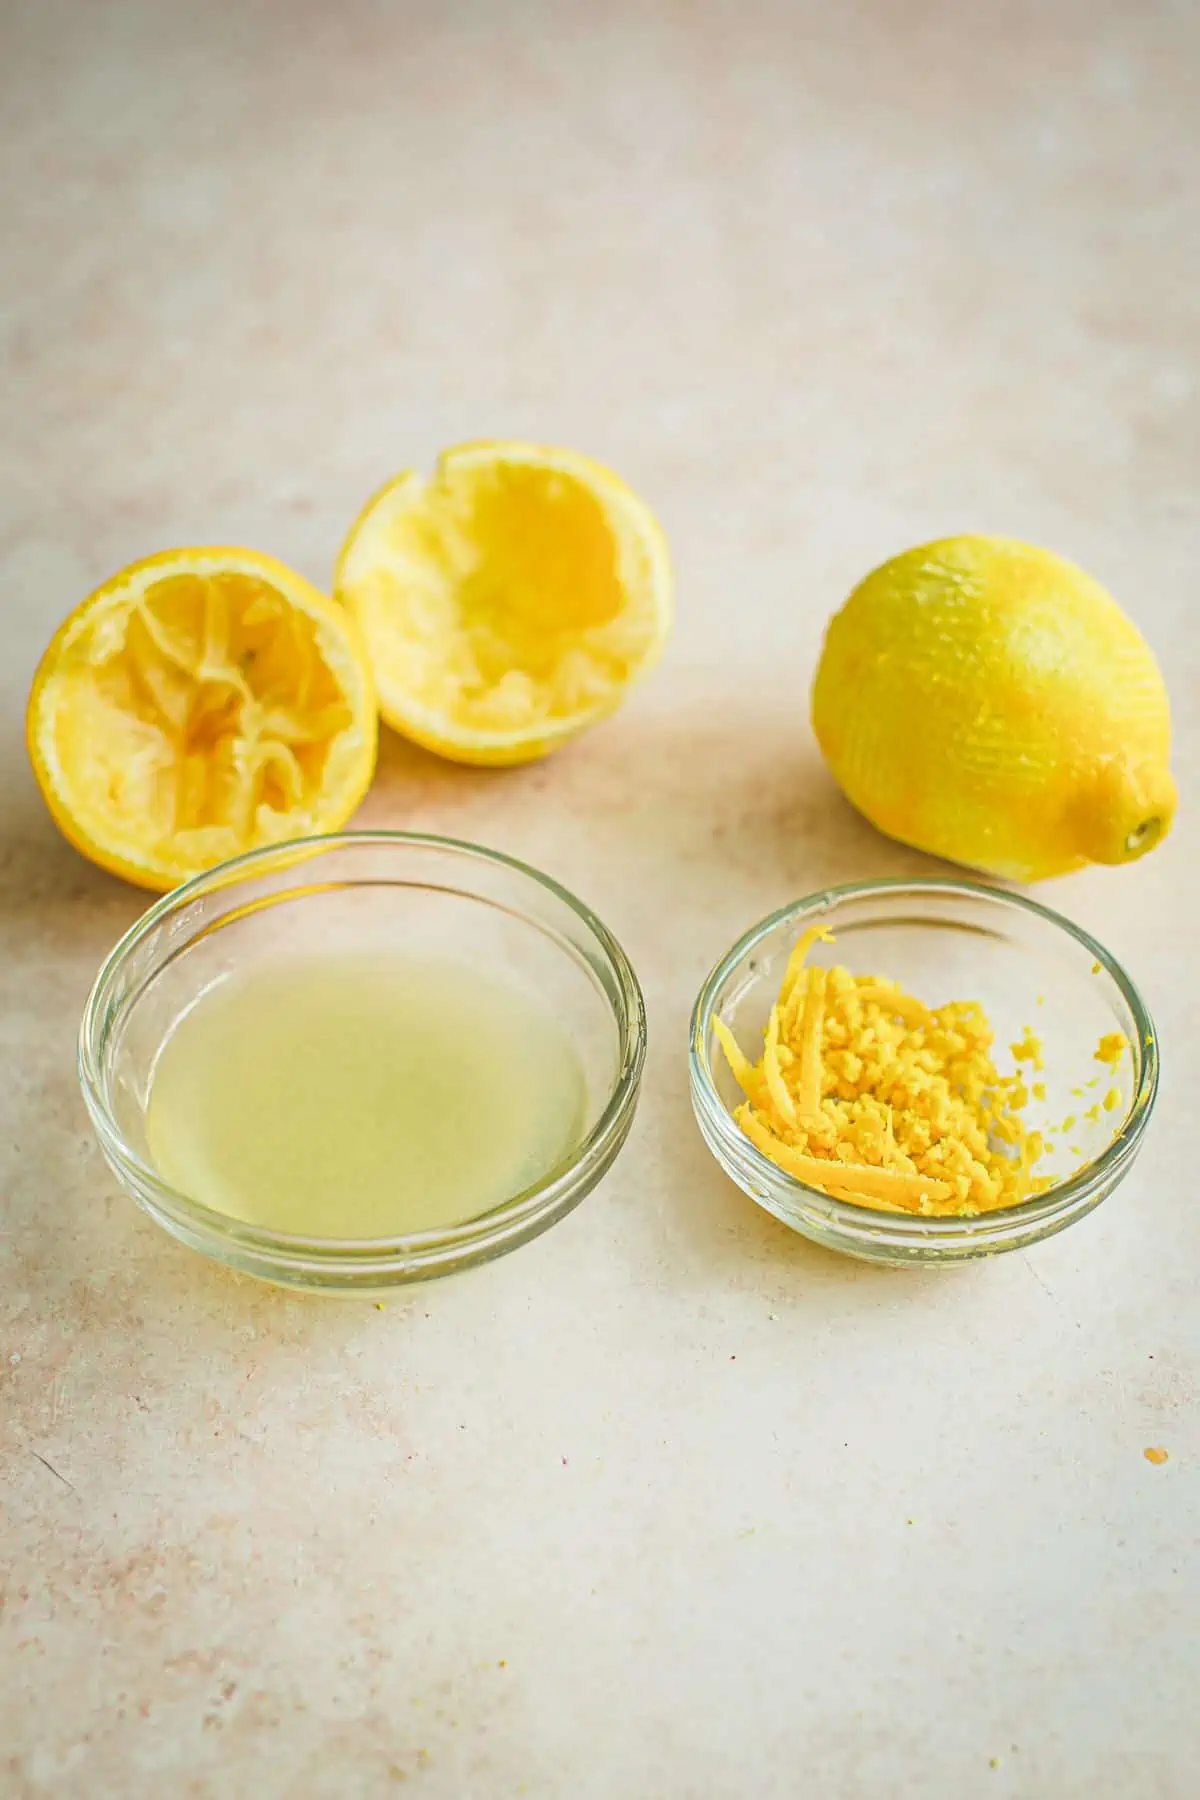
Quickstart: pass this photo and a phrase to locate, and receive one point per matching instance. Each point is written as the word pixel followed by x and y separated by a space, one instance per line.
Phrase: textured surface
pixel 668 1504
pixel 1046 728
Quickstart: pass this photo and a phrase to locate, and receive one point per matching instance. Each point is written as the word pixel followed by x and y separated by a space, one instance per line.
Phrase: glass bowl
pixel 942 941
pixel 426 894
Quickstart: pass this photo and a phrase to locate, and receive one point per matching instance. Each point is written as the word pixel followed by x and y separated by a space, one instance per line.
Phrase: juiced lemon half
pixel 508 601
pixel 200 703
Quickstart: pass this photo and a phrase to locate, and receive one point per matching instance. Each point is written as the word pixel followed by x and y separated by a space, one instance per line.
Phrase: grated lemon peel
pixel 1112 1048
pixel 867 1093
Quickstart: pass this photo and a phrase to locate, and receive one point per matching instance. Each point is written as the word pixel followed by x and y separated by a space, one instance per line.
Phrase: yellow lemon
pixel 509 601
pixel 200 703
pixel 990 703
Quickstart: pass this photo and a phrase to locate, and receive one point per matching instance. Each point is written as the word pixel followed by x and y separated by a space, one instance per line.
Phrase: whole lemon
pixel 988 702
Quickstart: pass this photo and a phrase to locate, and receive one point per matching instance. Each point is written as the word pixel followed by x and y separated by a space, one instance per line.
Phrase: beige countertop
pixel 669 1505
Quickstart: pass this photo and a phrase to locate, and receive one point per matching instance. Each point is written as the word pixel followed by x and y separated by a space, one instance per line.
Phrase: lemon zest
pixel 742 1069
pixel 815 934
pixel 868 1093
pixel 878 1184
pixel 772 1071
pixel 895 1003
pixel 810 1045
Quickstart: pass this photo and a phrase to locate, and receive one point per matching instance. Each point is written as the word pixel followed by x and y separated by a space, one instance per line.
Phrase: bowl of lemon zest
pixel 865 1092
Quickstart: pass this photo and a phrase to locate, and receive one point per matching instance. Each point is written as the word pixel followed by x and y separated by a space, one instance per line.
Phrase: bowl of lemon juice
pixel 352 1061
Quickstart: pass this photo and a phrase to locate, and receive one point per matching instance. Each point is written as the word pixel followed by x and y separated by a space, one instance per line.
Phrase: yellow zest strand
pixel 773 1073
pixel 878 1184
pixel 741 1068
pixel 900 1006
pixel 810 1045
pixel 816 934
pixel 872 1200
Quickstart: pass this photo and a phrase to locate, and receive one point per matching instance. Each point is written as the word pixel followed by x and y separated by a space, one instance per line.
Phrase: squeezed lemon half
pixel 200 703
pixel 507 602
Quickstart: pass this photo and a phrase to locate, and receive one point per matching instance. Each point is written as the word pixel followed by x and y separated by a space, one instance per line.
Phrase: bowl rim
pixel 1092 1181
pixel 409 1255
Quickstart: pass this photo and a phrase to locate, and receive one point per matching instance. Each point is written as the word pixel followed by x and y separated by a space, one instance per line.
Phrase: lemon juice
pixel 358 1095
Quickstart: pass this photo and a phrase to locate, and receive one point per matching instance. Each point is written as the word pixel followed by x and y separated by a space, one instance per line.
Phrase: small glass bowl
pixel 944 940
pixel 426 894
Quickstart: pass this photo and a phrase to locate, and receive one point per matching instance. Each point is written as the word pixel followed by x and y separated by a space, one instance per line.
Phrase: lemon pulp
pixel 356 1095
pixel 508 602
pixel 200 703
